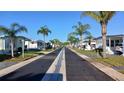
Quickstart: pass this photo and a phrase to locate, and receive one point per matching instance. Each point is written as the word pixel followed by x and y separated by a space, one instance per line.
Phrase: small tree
pixel 72 39
pixel 56 43
pixel 89 37
pixel 81 29
pixel 44 30
pixel 11 32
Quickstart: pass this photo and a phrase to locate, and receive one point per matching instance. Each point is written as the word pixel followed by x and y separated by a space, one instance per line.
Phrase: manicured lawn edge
pixel 28 55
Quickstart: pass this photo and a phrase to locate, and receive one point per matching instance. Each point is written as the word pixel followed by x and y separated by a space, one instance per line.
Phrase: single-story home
pixel 5 44
pixel 91 46
pixel 114 42
pixel 39 44
pixel 5 47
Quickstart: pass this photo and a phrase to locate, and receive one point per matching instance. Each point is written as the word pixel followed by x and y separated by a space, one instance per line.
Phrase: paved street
pixel 78 69
pixel 33 71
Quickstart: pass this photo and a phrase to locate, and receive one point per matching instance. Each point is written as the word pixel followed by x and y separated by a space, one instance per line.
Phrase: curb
pixel 107 70
pixel 57 70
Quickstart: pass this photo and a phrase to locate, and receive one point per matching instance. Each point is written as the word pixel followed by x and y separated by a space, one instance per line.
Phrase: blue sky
pixel 60 23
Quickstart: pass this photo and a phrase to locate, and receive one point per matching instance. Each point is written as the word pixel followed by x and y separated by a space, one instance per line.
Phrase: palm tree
pixel 80 30
pixel 56 42
pixel 11 32
pixel 44 30
pixel 52 41
pixel 103 18
pixel 65 43
pixel 72 39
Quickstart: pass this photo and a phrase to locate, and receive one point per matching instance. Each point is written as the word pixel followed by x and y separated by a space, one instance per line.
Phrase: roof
pixel 27 39
pixel 120 35
pixel 40 41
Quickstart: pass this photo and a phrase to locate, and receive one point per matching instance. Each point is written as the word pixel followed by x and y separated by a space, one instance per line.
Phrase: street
pixel 78 69
pixel 33 71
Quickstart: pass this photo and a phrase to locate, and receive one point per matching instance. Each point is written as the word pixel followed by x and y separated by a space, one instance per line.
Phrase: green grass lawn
pixel 91 54
pixel 27 55
pixel 122 71
pixel 110 60
pixel 113 60
pixel 47 50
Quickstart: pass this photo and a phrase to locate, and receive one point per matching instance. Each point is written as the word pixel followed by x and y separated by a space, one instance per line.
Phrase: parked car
pixel 119 49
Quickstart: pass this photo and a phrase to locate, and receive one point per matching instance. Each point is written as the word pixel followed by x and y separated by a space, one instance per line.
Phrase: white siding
pixel 31 45
pixel 2 44
pixel 7 44
pixel 98 43
pixel 18 43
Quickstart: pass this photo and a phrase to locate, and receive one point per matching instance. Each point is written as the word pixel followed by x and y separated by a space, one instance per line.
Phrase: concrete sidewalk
pixel 17 66
pixel 107 70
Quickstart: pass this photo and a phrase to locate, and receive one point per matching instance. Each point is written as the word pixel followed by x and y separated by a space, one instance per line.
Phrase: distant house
pixel 39 44
pixel 5 44
pixel 114 42
pixel 29 44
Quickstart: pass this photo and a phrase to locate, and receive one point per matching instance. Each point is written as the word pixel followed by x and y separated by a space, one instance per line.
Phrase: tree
pixel 65 43
pixel 103 18
pixel 89 37
pixel 72 39
pixel 11 32
pixel 81 29
pixel 56 42
pixel 44 30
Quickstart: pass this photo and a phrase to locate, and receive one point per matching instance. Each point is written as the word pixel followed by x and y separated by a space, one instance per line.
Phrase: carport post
pixel 109 42
pixel 23 46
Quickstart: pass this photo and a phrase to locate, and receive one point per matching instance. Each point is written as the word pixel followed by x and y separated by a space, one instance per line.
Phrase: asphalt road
pixel 33 71
pixel 78 69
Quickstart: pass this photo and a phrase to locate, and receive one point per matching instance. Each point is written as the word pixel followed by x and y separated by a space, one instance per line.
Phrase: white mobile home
pixel 5 44
pixel 114 42
pixel 39 44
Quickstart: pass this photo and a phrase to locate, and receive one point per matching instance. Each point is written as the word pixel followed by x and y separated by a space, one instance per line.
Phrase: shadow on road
pixel 53 77
pixel 36 77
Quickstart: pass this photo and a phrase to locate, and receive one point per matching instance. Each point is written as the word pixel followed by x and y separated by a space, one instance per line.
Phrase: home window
pixel 112 43
pixel 116 42
pixel 107 42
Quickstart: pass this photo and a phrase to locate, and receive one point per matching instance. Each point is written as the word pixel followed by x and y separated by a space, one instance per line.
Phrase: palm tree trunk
pixel 90 42
pixel 81 40
pixel 104 39
pixel 44 42
pixel 12 48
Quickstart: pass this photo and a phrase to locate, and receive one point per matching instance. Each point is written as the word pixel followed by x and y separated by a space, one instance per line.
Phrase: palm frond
pixel 44 30
pixel 109 15
pixel 39 31
pixel 4 30
pixel 81 29
pixel 49 31
pixel 92 14
pixel 21 29
pixel 14 26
